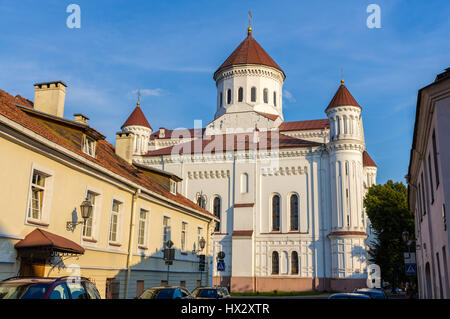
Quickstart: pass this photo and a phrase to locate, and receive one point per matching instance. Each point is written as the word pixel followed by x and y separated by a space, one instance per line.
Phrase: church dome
pixel 249 52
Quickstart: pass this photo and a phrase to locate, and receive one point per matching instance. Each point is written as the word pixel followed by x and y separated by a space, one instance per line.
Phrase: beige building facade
pixel 50 165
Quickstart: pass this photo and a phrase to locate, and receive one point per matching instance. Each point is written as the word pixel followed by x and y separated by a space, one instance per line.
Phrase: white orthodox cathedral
pixel 289 194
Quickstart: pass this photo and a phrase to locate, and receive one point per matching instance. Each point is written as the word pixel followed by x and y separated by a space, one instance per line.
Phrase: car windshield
pixel 207 293
pixel 22 290
pixel 148 294
pixel 165 294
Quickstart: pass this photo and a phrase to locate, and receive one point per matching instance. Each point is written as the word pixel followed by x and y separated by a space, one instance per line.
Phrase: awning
pixel 43 240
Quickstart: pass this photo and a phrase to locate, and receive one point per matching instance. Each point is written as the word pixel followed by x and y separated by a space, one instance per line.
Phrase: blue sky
pixel 170 49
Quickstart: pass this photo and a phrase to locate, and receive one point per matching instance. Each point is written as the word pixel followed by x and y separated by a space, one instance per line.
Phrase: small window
pixel 88 225
pixel 221 99
pixel 276 213
pixel 266 96
pixel 275 263
pixel 229 96
pixel 241 94
pixel 142 227
pixel 294 263
pixel 114 222
pixel 275 98
pixel 173 187
pixel 294 212
pixel 216 210
pixel 89 146
pixel 37 195
pixel 253 94
pixel 183 235
pixel 166 230
pixel 244 183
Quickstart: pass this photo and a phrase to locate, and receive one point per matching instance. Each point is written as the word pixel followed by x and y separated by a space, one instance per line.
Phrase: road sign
pixel 410 269
pixel 409 258
pixel 221 265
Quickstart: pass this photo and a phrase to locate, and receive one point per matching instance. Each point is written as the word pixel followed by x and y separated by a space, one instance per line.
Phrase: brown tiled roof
pixel 342 97
pixel 304 125
pixel 367 160
pixel 137 117
pixel 44 239
pixel 249 52
pixel 105 152
pixel 272 117
pixel 234 142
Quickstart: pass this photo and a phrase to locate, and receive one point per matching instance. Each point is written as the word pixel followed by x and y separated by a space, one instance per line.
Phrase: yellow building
pixel 49 165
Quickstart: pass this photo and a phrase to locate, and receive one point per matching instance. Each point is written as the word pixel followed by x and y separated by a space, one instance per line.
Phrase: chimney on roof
pixel 124 145
pixel 49 97
pixel 80 118
pixel 162 132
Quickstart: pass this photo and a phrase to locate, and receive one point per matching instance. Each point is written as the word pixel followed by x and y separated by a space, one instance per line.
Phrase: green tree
pixel 387 208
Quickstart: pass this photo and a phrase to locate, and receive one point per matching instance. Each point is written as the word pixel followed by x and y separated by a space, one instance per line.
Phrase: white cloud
pixel 288 96
pixel 149 92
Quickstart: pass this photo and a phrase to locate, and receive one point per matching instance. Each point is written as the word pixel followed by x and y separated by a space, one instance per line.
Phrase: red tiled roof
pixel 137 117
pixel 304 125
pixel 249 52
pixel 367 160
pixel 272 117
pixel 105 152
pixel 342 97
pixel 45 239
pixel 233 142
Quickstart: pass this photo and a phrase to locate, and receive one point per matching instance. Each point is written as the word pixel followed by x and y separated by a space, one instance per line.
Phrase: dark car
pixel 166 293
pixel 211 293
pixel 348 296
pixel 372 293
pixel 48 288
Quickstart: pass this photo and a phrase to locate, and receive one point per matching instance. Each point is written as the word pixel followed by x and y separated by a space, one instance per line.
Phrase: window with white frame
pixel 89 146
pixel 166 230
pixel 173 187
pixel 199 237
pixel 89 223
pixel 37 195
pixel 183 235
pixel 142 229
pixel 114 221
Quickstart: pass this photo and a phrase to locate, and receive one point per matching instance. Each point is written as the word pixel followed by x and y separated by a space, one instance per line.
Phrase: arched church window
pixel 338 126
pixel 216 210
pixel 253 94
pixel 266 96
pixel 276 212
pixel 275 263
pixel 229 96
pixel 241 94
pixel 221 99
pixel 275 98
pixel 345 125
pixel 294 263
pixel 294 212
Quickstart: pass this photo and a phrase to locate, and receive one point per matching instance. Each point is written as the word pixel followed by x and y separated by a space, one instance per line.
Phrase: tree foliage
pixel 387 208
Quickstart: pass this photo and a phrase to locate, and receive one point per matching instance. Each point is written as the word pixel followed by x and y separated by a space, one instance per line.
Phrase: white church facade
pixel 289 195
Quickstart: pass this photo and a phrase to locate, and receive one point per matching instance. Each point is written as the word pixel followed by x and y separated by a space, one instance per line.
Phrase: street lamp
pixel 86 213
pixel 202 243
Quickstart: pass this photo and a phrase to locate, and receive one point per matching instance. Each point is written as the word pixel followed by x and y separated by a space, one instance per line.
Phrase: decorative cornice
pixel 277 171
pixel 208 174
pixel 250 70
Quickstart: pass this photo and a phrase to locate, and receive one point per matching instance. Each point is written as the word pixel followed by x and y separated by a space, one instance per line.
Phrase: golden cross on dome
pixel 139 97
pixel 342 75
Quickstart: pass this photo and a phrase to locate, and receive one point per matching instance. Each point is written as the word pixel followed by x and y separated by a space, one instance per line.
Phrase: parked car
pixel 68 287
pixel 349 295
pixel 211 293
pixel 166 293
pixel 372 293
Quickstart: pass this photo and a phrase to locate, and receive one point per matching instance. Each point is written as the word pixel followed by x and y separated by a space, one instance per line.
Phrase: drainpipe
pixel 322 176
pixel 130 239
